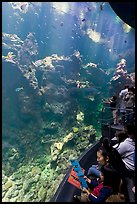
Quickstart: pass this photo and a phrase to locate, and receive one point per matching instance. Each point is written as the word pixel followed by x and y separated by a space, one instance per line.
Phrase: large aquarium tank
pixel 59 60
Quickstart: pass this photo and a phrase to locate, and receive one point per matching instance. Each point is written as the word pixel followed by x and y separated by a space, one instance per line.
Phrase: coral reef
pixel 120 78
pixel 38 179
pixel 49 116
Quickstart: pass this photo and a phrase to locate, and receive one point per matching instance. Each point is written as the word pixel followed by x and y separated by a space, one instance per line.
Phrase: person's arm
pixel 107 102
pixel 104 194
pixel 92 183
pixel 104 101
pixel 122 148
pixel 120 95
pixel 85 190
pixel 87 179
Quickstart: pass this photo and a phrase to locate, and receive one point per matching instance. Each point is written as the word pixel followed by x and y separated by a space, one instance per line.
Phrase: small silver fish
pixel 19 89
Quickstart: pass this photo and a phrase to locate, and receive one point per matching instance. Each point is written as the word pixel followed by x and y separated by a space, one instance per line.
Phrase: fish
pixel 89 9
pixel 53 27
pixel 61 24
pixel 101 7
pixel 84 92
pixel 19 89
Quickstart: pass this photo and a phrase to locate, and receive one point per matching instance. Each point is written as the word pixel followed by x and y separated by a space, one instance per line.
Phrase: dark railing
pixel 107 111
pixel 107 118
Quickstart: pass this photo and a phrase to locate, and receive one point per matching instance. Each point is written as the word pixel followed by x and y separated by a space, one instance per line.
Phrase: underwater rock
pixel 68 137
pixel 115 86
pixel 27 197
pixel 88 128
pixel 58 108
pixel 75 129
pixel 4 179
pixel 41 193
pixel 80 117
pixel 54 157
pixel 47 175
pixel 35 170
pixel 120 78
pixel 53 188
pixel 58 145
pixel 43 175
pixel 97 76
pixel 3 193
pixel 11 41
pixel 28 49
pixel 15 193
pixel 55 150
pixel 13 199
pixel 83 145
pixel 21 195
pixel 8 185
pixel 28 183
pixel 6 200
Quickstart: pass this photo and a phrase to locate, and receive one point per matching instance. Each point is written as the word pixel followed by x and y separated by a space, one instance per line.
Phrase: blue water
pixel 33 122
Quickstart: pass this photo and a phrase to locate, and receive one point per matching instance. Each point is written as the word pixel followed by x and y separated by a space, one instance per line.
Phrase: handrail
pixel 117 108
pixel 108 121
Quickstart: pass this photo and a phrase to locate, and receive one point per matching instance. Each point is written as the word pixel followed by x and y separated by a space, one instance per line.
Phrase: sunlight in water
pixel 126 28
pixel 21 6
pixel 61 7
pixel 95 36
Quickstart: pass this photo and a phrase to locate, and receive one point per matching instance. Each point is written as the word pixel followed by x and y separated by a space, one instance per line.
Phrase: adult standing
pixel 122 95
pixel 113 105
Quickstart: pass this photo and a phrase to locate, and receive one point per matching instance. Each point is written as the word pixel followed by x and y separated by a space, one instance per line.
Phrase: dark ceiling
pixel 126 11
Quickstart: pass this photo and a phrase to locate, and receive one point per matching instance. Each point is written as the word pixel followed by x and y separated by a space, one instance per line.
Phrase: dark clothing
pixel 117 162
pixel 113 105
pixel 100 192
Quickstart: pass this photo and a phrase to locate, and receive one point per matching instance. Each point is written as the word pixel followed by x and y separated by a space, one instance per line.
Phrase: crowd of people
pixel 123 106
pixel 113 177
pixel 115 168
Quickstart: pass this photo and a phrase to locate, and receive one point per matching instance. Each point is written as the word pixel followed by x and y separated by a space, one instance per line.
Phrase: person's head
pixel 123 61
pixel 107 155
pixel 110 177
pixel 126 86
pixel 121 136
pixel 105 142
pixel 131 89
pixel 102 156
pixel 114 98
pixel 130 130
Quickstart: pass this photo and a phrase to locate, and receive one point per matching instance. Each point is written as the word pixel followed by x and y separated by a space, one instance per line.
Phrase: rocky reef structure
pixel 49 116
pixel 120 78
pixel 38 180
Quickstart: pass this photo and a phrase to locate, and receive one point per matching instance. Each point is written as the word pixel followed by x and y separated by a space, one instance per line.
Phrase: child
pixel 107 185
